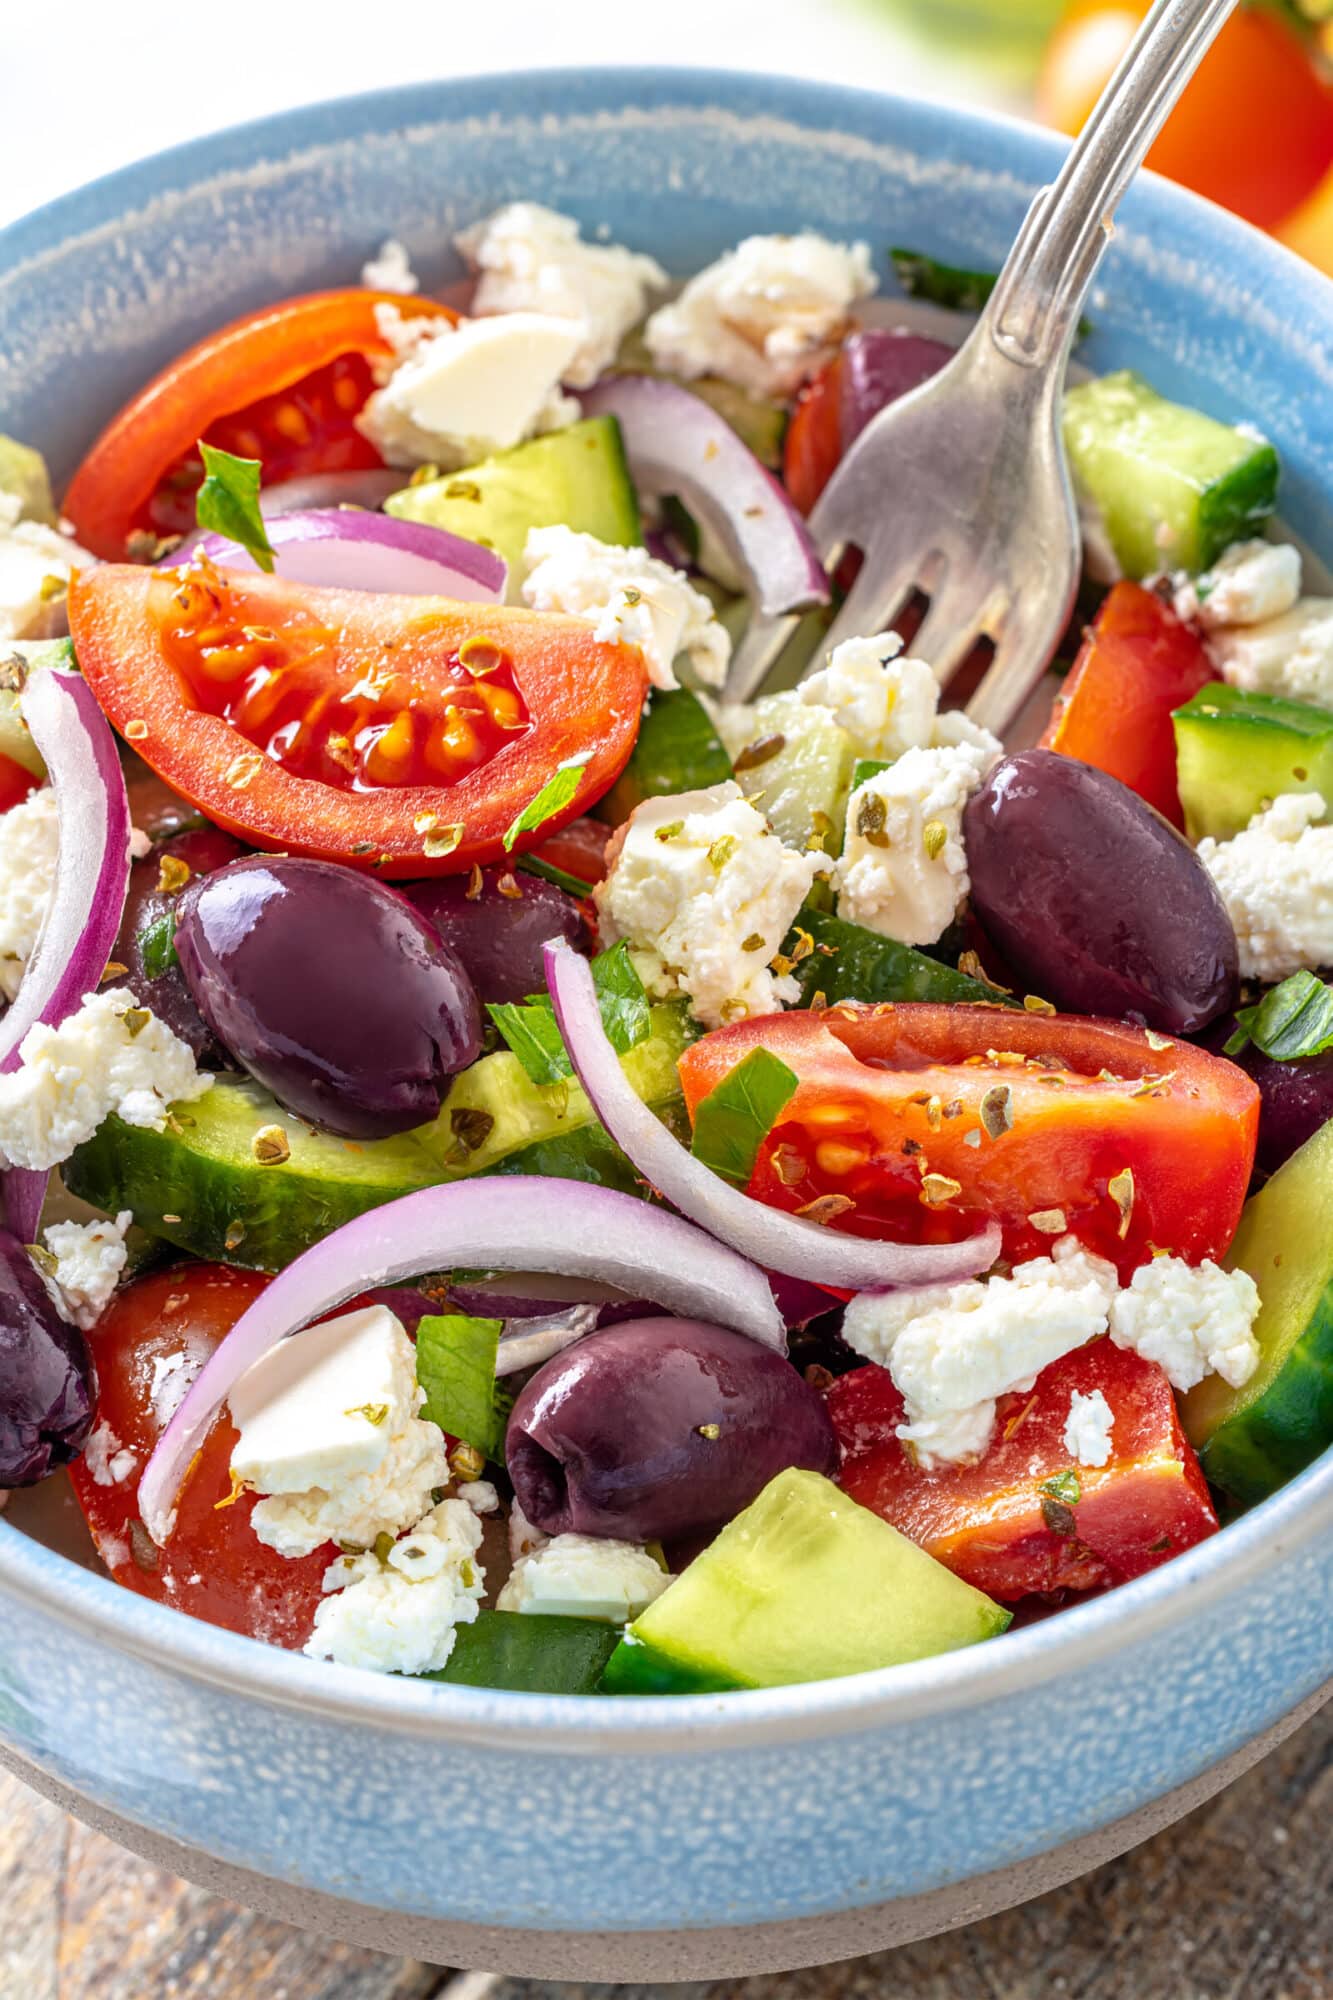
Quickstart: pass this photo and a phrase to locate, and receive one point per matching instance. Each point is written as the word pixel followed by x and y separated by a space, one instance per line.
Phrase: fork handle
pixel 1033 312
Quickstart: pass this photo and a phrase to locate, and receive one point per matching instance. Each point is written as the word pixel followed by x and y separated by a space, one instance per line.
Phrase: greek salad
pixel 521 1170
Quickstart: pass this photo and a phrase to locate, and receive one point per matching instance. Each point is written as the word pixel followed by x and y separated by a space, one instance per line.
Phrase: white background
pixel 88 85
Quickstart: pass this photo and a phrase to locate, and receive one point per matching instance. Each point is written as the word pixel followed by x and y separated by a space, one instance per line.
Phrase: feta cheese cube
pixel 390 269
pixel 399 1615
pixel 629 598
pixel 1088 1428
pixel 323 1405
pixel 532 259
pixel 953 1349
pixel 766 316
pixel 36 563
pixel 903 870
pixel 1290 655
pixel 884 699
pixel 89 1258
pixel 584 1576
pixel 29 849
pixel 1192 1320
pixel 700 881
pixel 462 392
pixel 109 1055
pixel 1276 879
pixel 1250 583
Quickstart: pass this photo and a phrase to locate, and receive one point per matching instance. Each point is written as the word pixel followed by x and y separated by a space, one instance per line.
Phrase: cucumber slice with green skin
pixel 15 737
pixel 1172 486
pixel 494 1109
pixel 758 423
pixel 577 476
pixel 1236 753
pixel 202 1187
pixel 1250 1440
pixel 797 766
pixel 852 963
pixel 23 473
pixel 530 1653
pixel 804 1585
pixel 677 750
pixel 590 1154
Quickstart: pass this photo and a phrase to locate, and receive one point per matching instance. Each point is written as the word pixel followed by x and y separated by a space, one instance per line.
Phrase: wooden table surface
pixel 1234 1903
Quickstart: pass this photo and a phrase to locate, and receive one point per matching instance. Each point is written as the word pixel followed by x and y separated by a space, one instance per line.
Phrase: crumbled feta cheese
pixel 700 880
pixel 390 269
pixel 1276 879
pixel 172 1377
pixel 523 1536
pixel 90 1257
pixel 462 392
pixel 29 848
pixel 953 1349
pixel 1249 584
pixel 903 870
pixel 1088 1428
pixel 584 1576
pixel 1192 1320
pixel 884 699
pixel 955 727
pixel 141 844
pixel 766 316
pixel 1290 656
pixel 628 597
pixel 109 1055
pixel 329 1429
pixel 479 1495
pixel 532 259
pixel 109 1461
pixel 399 1615
pixel 36 563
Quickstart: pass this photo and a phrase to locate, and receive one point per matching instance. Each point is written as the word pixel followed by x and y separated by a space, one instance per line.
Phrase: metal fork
pixel 962 489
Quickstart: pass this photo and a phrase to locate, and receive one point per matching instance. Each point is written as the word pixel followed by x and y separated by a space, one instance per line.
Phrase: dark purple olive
pixel 330 989
pixel 1094 900
pixel 879 364
pixel 660 1427
pixel 46 1393
pixel 145 944
pixel 1295 1098
pixel 498 934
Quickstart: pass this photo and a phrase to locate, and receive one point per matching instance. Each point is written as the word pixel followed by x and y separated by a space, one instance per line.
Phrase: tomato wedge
pixel 16 781
pixel 1137 663
pixel 1025 1519
pixel 282 385
pixel 404 734
pixel 916 1121
pixel 150 1343
pixel 813 443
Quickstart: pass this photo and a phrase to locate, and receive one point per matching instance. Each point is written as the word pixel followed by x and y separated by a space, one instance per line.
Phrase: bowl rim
pixel 1080 1636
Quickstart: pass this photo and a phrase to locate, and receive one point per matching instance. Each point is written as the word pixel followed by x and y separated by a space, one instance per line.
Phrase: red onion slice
pixel 676 444
pixel 768 1237
pixel 370 487
pixel 342 547
pixel 566 1227
pixel 24 1199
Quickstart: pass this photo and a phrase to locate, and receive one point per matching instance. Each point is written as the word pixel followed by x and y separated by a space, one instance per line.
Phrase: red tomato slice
pixel 813 444
pixel 996 1522
pixel 1137 663
pixel 214 1566
pixel 16 781
pixel 404 734
pixel 895 1107
pixel 579 849
pixel 282 385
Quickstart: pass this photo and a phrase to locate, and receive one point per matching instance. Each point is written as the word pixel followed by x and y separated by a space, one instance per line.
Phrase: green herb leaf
pixel 735 1118
pixel 573 885
pixel 554 796
pixel 1293 1020
pixel 1066 1486
pixel 532 1034
pixel 157 946
pixel 950 285
pixel 866 768
pixel 228 502
pixel 456 1368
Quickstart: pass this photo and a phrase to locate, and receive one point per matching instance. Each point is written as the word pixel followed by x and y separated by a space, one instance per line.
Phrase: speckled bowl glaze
pixel 714 1834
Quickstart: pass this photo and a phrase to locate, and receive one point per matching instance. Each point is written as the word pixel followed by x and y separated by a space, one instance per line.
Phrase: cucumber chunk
pixel 577 476
pixel 804 1585
pixel 23 474
pixel 796 763
pixel 591 1154
pixel 1250 1440
pixel 529 1652
pixel 494 1109
pixel 851 963
pixel 1237 752
pixel 1173 487
pixel 677 750
pixel 200 1185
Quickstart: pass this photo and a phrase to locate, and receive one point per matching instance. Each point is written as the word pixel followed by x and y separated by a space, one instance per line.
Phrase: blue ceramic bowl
pixel 713 1834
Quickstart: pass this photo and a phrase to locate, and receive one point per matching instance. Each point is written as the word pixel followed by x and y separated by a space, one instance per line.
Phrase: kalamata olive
pixel 1295 1098
pixel 498 933
pixel 145 944
pixel 657 1428
pixel 1098 904
pixel 330 989
pixel 46 1395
